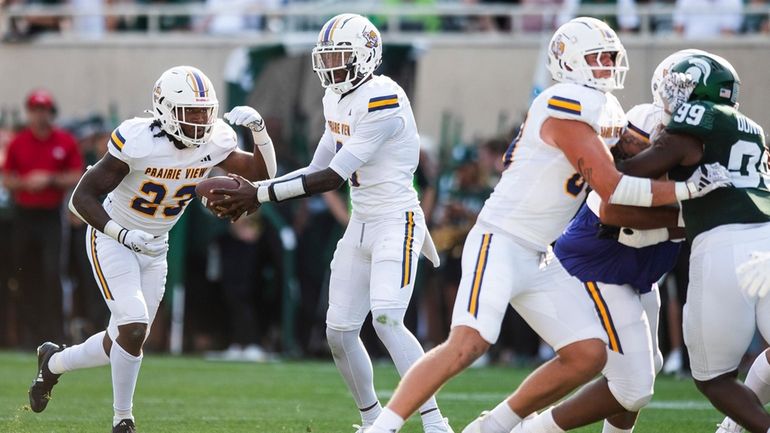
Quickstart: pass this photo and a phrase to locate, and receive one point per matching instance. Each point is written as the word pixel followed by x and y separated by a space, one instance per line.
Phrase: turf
pixel 191 395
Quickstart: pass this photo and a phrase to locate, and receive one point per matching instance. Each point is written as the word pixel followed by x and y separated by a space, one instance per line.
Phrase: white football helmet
pixel 177 90
pixel 350 43
pixel 576 39
pixel 664 67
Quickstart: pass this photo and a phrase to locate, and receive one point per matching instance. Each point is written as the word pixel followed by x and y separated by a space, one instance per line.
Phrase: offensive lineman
pixel 558 151
pixel 149 175
pixel 724 229
pixel 371 139
pixel 620 267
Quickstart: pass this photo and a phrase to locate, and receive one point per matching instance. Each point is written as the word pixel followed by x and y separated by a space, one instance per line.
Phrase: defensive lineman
pixel 371 140
pixel 559 150
pixel 149 175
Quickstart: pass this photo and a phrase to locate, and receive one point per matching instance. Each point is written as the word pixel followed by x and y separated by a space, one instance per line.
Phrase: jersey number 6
pixel 155 193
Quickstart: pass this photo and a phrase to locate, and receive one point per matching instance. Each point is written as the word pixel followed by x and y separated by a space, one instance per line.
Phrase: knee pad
pixel 631 379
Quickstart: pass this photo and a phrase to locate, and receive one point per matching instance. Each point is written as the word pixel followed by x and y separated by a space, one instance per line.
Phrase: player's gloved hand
pixel 754 275
pixel 246 116
pixel 642 238
pixel 144 243
pixel 676 89
pixel 705 179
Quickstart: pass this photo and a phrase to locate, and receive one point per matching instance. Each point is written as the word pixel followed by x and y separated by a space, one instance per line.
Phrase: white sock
pixel 758 378
pixel 501 419
pixel 125 371
pixel 355 366
pixel 543 423
pixel 388 421
pixel 609 428
pixel 369 414
pixel 89 353
pixel 405 350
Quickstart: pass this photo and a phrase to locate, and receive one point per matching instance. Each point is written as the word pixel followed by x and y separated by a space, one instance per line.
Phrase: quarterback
pixel 562 147
pixel 370 138
pixel 148 175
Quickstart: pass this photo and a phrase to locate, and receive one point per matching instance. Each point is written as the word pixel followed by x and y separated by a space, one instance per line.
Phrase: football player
pixel 561 148
pixel 149 176
pixel 620 267
pixel 370 138
pixel 724 228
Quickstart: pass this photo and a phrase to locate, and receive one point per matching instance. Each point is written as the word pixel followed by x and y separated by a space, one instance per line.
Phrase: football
pixel 203 189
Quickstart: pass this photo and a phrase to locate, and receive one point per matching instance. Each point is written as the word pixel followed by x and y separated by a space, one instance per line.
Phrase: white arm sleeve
pixel 364 143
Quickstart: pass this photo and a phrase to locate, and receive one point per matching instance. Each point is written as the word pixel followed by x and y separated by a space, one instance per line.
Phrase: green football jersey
pixel 736 142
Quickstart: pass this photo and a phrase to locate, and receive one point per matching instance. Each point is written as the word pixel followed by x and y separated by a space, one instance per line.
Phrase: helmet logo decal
pixel 700 68
pixel 156 93
pixel 197 84
pixel 372 40
pixel 557 47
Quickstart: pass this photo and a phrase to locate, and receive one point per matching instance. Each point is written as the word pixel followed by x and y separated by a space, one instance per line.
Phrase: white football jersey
pixel 540 191
pixel 383 184
pixel 163 177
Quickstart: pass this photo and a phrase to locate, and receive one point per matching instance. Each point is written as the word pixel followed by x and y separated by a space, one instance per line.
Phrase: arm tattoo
pixel 584 171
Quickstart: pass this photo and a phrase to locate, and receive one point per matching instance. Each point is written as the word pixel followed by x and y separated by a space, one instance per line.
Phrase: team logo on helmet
pixel 557 46
pixel 372 40
pixel 156 92
pixel 700 68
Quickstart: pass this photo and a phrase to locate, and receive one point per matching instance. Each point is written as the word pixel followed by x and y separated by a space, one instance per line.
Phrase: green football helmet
pixel 715 78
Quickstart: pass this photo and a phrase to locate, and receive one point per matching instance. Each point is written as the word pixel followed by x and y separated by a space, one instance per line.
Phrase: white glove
pixel 246 116
pixel 135 240
pixel 754 275
pixel 705 179
pixel 675 90
pixel 142 243
pixel 642 238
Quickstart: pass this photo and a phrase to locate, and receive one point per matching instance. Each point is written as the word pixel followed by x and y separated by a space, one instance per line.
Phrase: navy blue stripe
pixel 384 107
pixel 120 136
pixel 382 98
pixel 571 101
pixel 566 110
pixel 115 144
pixel 481 280
pixel 638 131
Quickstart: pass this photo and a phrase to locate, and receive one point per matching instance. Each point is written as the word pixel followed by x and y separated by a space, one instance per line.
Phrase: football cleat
pixel 729 426
pixel 40 391
pixel 439 427
pixel 125 426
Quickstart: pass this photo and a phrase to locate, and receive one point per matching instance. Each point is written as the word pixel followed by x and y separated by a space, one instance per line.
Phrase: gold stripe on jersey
pixel 383 102
pixel 100 280
pixel 604 316
pixel 406 268
pixel 478 274
pixel 565 105
pixel 117 140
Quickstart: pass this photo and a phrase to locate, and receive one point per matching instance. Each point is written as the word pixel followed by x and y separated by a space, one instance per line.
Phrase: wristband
pixel 684 190
pixel 115 231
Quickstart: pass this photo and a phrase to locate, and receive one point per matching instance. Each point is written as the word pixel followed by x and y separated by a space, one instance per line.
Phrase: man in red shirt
pixel 42 163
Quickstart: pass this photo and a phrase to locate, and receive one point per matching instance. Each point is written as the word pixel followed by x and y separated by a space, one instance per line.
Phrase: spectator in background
pixel 6 267
pixel 626 18
pixel 230 17
pixel 42 163
pixel 756 23
pixel 704 19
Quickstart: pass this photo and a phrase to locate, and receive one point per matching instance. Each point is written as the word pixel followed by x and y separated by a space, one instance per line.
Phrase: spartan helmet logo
pixel 700 68
pixel 372 40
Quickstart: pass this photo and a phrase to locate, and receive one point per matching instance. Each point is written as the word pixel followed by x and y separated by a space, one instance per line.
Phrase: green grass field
pixel 191 395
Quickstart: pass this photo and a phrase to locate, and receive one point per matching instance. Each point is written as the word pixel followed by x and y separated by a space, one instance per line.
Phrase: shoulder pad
pixel 574 102
pixel 224 136
pixel 133 137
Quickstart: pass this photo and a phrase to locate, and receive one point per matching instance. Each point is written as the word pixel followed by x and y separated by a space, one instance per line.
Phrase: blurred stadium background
pixel 256 290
